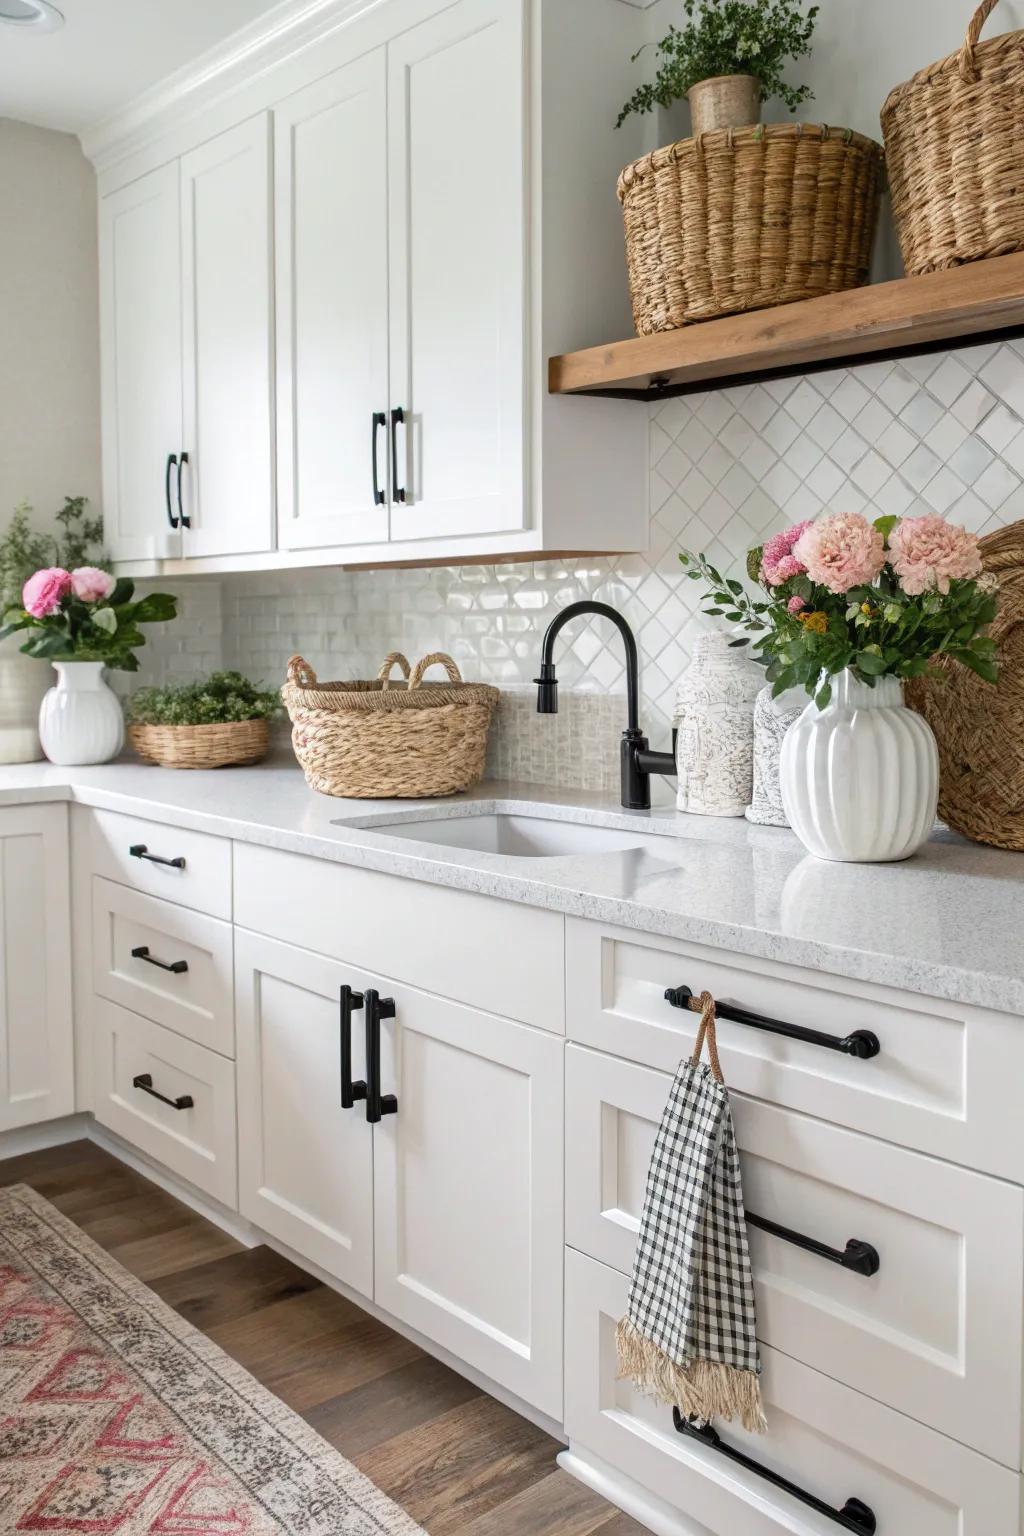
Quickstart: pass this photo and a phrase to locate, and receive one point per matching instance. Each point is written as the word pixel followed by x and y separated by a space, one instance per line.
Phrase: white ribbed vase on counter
pixel 860 778
pixel 80 720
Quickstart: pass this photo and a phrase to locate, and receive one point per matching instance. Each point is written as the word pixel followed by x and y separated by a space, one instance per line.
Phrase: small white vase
pixel 860 778
pixel 23 682
pixel 715 720
pixel 80 720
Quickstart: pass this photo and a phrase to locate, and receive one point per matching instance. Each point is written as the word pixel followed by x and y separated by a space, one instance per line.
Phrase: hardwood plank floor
pixel 460 1462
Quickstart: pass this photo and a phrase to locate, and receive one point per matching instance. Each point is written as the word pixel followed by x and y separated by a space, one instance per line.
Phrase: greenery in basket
pixel 23 551
pixel 224 698
pixel 729 37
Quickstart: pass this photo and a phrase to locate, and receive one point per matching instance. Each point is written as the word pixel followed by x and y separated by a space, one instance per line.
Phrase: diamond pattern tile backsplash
pixel 942 433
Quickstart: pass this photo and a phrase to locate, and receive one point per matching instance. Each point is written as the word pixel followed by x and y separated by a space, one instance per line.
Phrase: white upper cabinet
pixel 456 181
pixel 332 298
pixel 140 275
pixel 226 343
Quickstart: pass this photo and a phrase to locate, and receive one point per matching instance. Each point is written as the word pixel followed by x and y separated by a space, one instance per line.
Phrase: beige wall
pixel 49 341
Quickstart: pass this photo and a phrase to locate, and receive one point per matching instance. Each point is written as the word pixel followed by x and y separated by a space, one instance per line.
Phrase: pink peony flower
pixel 795 604
pixel 778 562
pixel 42 593
pixel 928 553
pixel 90 584
pixel 841 552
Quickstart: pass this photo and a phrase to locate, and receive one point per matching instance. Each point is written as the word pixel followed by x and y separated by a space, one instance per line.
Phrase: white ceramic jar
pixel 23 682
pixel 860 778
pixel 80 720
pixel 715 720
pixel 772 719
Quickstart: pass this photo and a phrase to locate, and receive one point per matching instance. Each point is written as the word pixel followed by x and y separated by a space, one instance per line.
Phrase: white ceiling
pixel 109 52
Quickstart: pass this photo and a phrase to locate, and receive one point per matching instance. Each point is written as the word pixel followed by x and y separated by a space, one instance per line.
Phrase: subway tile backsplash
pixel 941 433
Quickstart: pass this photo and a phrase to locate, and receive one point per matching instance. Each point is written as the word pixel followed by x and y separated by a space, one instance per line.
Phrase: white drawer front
pixel 943 1081
pixel 497 955
pixel 828 1440
pixel 192 868
pixel 936 1332
pixel 197 1141
pixel 140 945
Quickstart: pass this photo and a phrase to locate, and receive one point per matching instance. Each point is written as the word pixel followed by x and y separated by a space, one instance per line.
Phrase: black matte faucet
pixel 638 762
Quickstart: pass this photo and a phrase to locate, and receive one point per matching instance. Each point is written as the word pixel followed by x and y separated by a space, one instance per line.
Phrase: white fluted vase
pixel 860 778
pixel 80 720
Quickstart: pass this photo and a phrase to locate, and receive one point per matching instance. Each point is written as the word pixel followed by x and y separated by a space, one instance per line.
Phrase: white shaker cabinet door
pixel 468 1189
pixel 332 295
pixel 226 340
pixel 140 339
pixel 457 184
pixel 305 1164
pixel 36 1045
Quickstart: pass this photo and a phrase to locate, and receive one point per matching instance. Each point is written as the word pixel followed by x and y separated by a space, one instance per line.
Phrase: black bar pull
pixel 862 1043
pixel 380 419
pixel 140 851
pixel 858 1256
pixel 377 1104
pixel 176 967
pixel 144 1081
pixel 350 1091
pixel 186 522
pixel 397 420
pixel 854 1515
pixel 172 459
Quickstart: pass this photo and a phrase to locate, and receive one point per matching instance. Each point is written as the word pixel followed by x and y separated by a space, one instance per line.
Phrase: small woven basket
pixel 382 741
pixel 744 218
pixel 201 746
pixel 979 727
pixel 954 140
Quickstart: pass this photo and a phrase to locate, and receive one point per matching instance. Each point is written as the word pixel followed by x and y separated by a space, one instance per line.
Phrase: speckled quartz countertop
pixel 947 923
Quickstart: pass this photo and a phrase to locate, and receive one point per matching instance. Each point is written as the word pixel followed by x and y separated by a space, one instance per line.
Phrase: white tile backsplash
pixel 943 432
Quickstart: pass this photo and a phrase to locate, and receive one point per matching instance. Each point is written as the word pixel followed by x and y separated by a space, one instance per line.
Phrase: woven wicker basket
pixel 379 741
pixel 954 140
pixel 745 218
pixel 201 746
pixel 980 728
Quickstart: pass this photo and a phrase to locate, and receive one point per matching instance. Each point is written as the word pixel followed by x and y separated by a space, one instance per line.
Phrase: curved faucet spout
pixel 547 683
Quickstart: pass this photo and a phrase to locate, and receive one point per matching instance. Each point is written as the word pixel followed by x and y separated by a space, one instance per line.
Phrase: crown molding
pixel 279 34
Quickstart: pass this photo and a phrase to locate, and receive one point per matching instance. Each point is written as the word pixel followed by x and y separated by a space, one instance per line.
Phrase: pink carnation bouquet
pixel 85 615
pixel 880 599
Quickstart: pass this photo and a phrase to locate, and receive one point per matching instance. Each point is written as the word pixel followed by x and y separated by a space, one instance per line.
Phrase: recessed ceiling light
pixel 33 15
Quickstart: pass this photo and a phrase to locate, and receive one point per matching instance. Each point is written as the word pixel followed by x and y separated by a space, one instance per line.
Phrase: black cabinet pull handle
pixel 172 459
pixel 350 1091
pixel 176 967
pixel 854 1515
pixel 379 420
pixel 397 419
pixel 858 1256
pixel 140 851
pixel 144 1081
pixel 862 1043
pixel 377 1104
pixel 186 522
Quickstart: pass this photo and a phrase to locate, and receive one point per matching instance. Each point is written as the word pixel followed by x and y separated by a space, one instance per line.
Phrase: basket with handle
pixel 954 141
pixel 382 740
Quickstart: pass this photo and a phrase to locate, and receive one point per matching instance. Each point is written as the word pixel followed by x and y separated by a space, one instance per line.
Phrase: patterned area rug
pixel 119 1418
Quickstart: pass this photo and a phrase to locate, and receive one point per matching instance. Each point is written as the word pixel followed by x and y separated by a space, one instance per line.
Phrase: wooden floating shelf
pixel 912 314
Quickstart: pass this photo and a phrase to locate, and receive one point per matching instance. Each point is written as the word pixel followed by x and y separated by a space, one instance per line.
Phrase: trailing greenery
pixel 93 629
pixel 224 697
pixel 729 37
pixel 23 551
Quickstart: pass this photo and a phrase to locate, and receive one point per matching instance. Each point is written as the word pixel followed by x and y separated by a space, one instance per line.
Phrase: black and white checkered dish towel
pixel 689 1336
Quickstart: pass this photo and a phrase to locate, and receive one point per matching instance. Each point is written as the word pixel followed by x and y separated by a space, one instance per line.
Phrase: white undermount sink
pixel 518 836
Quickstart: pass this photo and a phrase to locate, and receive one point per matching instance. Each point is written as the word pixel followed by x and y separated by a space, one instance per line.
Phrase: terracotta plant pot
pixel 724 101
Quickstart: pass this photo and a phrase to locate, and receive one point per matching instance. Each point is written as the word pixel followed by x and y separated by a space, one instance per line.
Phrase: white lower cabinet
pixel 447 1211
pixel 829 1441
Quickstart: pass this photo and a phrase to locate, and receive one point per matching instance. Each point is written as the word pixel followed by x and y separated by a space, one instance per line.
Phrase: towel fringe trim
pixel 703 1390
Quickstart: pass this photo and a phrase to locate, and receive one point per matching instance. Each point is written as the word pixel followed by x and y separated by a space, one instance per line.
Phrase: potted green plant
pixel 728 59
pixel 220 721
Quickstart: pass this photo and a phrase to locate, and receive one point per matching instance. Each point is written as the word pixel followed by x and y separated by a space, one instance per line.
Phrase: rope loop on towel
pixel 705 1006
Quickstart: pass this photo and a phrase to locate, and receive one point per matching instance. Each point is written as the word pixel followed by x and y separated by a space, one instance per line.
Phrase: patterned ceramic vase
pixel 772 719
pixel 715 720
pixel 860 778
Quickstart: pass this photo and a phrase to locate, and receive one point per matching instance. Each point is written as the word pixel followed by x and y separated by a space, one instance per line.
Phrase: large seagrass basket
pixel 381 740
